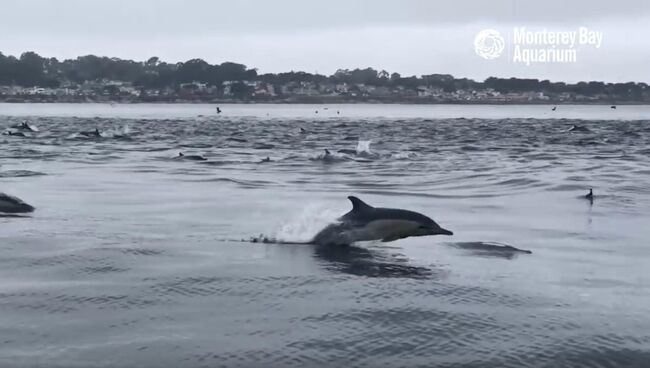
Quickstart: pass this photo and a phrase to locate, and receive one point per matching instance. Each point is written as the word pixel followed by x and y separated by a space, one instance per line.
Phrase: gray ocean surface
pixel 135 258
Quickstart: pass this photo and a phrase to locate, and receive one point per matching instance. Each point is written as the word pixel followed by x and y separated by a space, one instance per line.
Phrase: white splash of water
pixel 403 155
pixel 363 146
pixel 117 132
pixel 312 219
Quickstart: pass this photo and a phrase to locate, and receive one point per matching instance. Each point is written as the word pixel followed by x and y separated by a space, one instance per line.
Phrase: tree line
pixel 31 70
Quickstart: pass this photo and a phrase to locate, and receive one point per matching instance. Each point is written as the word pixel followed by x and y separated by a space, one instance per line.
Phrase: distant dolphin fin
pixel 358 205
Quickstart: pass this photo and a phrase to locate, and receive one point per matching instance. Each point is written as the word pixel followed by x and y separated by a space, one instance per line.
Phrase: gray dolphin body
pixel 91 133
pixel 11 204
pixel 365 222
pixel 183 156
pixel 24 126
pixel 14 133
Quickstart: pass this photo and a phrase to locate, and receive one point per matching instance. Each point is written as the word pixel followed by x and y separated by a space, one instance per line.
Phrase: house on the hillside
pixel 193 88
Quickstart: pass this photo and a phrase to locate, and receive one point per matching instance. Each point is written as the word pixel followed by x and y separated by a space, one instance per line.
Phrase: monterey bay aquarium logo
pixel 489 44
pixel 536 46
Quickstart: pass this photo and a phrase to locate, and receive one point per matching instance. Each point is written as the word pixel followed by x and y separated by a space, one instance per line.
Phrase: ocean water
pixel 136 258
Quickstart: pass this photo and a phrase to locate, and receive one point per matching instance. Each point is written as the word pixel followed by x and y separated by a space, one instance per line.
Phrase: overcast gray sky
pixel 411 37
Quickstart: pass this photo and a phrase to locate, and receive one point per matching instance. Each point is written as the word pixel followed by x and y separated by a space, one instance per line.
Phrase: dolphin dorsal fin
pixel 358 205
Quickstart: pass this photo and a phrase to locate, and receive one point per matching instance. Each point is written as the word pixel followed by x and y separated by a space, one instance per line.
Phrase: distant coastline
pixel 90 78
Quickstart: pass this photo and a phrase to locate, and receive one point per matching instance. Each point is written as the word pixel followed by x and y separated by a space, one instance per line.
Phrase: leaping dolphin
pixel 365 222
pixel 24 126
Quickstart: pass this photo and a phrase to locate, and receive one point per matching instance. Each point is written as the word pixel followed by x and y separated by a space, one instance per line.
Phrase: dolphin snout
pixel 26 208
pixel 442 231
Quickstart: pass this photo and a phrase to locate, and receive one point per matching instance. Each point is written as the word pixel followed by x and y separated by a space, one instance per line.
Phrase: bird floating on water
pixel 590 195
